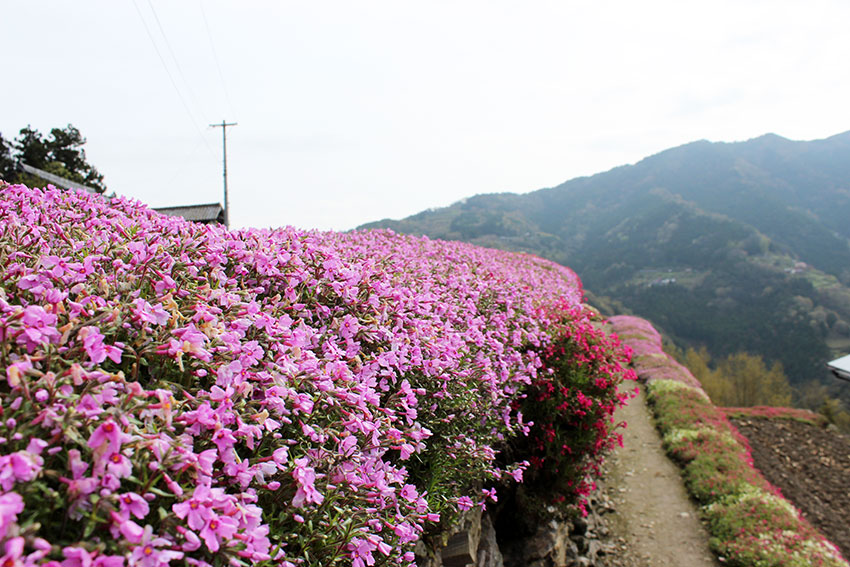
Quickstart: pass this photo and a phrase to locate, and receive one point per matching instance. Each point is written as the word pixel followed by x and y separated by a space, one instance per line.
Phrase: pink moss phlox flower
pixel 118 465
pixel 189 341
pixel 77 464
pixel 109 436
pixel 38 328
pixel 360 550
pixel 153 551
pixel 405 532
pixel 11 504
pixel 131 531
pixel 131 504
pixel 205 461
pixel 153 314
pixel 20 466
pixel 409 493
pixel 14 552
pixel 218 529
pixel 306 492
pixel 197 509
pixel 191 541
pixel 77 557
pixel 94 347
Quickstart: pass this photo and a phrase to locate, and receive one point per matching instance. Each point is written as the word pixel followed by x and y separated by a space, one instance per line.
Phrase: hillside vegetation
pixel 732 246
pixel 750 522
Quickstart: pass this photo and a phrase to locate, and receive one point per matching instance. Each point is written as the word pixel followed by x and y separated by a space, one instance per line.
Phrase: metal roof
pixel 210 212
pixel 55 179
pixel 840 367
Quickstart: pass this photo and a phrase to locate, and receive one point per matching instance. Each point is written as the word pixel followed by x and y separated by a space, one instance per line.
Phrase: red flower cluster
pixel 571 405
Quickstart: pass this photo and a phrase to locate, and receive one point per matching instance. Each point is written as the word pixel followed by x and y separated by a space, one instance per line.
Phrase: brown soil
pixel 653 523
pixel 810 465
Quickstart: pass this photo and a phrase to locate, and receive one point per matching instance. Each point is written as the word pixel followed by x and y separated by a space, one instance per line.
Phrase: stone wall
pixel 575 543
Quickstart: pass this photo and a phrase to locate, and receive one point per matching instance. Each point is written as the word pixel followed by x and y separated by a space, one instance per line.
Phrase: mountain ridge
pixel 734 221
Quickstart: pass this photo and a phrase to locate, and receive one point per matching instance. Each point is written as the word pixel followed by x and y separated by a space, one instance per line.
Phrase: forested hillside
pixel 732 246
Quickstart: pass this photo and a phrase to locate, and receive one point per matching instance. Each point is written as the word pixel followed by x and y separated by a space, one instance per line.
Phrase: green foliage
pixel 750 524
pixel 826 401
pixel 752 383
pixel 739 380
pixel 7 161
pixel 60 153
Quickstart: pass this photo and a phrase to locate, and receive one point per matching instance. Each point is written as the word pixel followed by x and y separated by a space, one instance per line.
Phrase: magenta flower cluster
pixel 648 356
pixel 181 393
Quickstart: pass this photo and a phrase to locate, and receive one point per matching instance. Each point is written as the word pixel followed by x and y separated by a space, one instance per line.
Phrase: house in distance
pixel 210 213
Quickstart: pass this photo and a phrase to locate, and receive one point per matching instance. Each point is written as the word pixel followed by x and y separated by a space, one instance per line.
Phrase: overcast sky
pixel 353 111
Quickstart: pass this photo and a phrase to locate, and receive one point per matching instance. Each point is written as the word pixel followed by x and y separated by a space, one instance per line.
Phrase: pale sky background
pixel 353 111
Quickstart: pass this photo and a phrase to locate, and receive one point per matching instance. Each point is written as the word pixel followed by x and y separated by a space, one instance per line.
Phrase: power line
pixel 215 58
pixel 171 78
pixel 176 61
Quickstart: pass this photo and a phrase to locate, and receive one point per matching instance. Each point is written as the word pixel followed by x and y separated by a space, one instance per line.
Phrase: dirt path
pixel 654 522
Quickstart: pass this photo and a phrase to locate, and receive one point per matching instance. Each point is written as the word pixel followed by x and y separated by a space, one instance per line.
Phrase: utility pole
pixel 223 127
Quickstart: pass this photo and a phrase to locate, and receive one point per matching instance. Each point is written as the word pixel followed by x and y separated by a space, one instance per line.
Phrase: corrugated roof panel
pixel 840 367
pixel 210 212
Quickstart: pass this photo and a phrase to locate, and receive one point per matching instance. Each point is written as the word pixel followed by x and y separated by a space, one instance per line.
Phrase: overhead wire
pixel 215 58
pixel 176 61
pixel 173 82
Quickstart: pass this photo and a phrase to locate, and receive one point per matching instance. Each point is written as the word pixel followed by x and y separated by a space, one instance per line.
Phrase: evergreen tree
pixel 61 153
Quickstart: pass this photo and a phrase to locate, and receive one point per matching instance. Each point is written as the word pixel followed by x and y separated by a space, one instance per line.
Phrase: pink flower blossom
pixel 218 529
pixel 197 510
pixel 38 328
pixel 153 551
pixel 11 504
pixel 306 492
pixel 119 465
pixel 76 557
pixel 20 466
pixel 110 434
pixel 465 503
pixel 14 553
pixel 131 504
pixel 94 347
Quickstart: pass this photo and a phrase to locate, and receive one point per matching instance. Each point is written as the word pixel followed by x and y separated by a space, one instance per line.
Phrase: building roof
pixel 840 367
pixel 56 180
pixel 207 213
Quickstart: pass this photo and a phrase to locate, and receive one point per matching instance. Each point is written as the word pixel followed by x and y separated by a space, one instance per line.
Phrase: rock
pixel 462 547
pixel 489 554
pixel 580 525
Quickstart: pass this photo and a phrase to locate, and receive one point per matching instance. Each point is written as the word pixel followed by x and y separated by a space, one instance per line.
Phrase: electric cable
pixel 173 82
pixel 217 64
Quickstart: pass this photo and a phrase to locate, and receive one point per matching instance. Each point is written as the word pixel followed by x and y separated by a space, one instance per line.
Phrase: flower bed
pixel 795 414
pixel 751 524
pixel 181 393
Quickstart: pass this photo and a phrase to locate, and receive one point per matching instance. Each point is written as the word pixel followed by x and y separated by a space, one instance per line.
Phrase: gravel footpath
pixel 650 519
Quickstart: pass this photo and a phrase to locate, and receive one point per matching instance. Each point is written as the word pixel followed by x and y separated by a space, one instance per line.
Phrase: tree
pixel 739 380
pixel 61 153
pixel 7 160
pixel 753 383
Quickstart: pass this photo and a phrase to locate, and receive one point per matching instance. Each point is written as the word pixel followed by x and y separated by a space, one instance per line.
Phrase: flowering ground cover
pixel 750 522
pixel 768 412
pixel 178 393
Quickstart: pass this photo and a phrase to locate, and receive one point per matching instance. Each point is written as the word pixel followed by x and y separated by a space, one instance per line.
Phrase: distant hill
pixel 734 246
